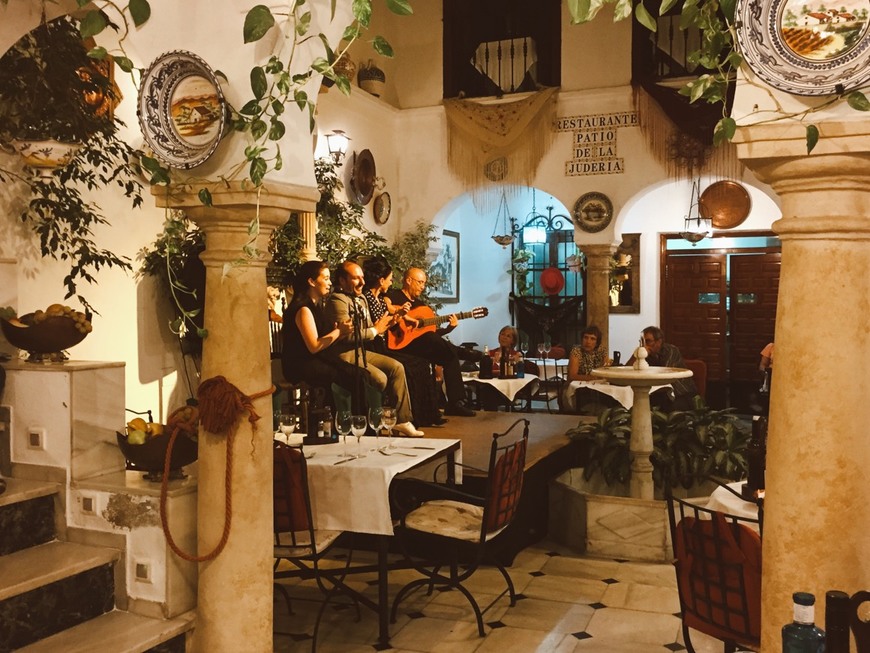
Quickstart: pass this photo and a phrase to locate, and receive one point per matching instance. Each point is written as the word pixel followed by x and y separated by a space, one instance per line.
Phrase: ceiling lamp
pixel 695 227
pixel 336 143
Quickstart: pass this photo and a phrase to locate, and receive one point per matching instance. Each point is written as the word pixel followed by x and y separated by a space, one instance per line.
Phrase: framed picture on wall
pixel 444 273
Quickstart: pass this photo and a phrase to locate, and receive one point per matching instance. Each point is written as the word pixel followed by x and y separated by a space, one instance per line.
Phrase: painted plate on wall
pixel 182 111
pixel 382 207
pixel 803 47
pixel 362 177
pixel 593 212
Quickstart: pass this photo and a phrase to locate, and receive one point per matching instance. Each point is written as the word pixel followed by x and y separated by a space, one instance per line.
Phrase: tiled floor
pixel 567 604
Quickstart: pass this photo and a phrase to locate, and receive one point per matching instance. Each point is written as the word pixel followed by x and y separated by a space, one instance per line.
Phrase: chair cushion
pixel 447 518
pixel 298 545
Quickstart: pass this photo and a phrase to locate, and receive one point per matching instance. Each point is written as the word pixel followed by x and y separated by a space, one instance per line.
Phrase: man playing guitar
pixel 431 345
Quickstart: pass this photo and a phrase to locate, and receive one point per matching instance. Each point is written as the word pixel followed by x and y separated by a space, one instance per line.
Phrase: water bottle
pixel 802 635
pixel 521 366
pixel 617 355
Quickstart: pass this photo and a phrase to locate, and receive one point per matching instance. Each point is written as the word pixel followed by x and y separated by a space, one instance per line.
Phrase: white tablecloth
pixel 554 366
pixel 508 387
pixel 622 393
pixel 354 496
pixel 723 501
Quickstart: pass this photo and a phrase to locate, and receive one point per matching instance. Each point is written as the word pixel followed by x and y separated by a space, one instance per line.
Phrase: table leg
pixel 383 594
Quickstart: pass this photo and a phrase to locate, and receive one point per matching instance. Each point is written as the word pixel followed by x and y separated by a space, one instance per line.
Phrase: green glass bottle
pixel 802 635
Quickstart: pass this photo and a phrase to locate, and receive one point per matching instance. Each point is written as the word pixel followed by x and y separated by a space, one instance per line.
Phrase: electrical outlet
pixel 35 438
pixel 89 506
pixel 142 571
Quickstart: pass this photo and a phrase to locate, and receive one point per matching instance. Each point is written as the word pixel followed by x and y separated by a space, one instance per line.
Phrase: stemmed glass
pixel 540 349
pixel 376 421
pixel 388 420
pixel 287 425
pixel 342 425
pixel 358 425
pixel 547 348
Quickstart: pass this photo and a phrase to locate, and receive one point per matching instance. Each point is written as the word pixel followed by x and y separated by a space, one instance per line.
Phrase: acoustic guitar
pixel 404 332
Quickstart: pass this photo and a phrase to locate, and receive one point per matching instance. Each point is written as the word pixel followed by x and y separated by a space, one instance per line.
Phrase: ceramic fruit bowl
pixel 150 455
pixel 45 339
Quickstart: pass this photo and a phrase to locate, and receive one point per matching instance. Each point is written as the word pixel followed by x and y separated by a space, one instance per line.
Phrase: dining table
pixel 509 388
pixel 352 494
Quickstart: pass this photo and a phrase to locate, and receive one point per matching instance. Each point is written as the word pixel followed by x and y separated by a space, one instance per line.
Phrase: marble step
pixel 116 631
pixel 18 490
pixel 41 565
pixel 27 514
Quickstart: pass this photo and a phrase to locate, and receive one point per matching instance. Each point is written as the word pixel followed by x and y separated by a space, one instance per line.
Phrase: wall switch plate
pixel 35 438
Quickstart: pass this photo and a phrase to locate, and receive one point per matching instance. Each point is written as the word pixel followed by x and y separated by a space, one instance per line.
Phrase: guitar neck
pixel 440 319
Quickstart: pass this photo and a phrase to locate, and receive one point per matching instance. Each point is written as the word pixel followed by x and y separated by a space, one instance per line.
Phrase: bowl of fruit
pixel 145 443
pixel 45 334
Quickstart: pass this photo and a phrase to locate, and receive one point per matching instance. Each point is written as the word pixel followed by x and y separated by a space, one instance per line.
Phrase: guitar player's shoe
pixel 459 409
pixel 408 430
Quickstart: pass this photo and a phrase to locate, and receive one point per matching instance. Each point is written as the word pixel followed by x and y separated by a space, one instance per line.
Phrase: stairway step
pixel 18 489
pixel 119 632
pixel 37 566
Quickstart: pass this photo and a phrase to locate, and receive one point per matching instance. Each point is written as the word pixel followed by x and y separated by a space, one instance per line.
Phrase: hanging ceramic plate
pixel 362 177
pixel 182 111
pixel 382 208
pixel 725 204
pixel 593 212
pixel 799 47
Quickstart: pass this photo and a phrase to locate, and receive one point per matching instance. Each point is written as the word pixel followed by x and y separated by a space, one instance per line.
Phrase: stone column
pixel 308 226
pixel 598 288
pixel 817 503
pixel 234 597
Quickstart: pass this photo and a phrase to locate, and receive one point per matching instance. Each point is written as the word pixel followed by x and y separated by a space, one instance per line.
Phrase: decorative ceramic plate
pixel 182 111
pixel 593 212
pixel 382 208
pixel 362 177
pixel 725 204
pixel 804 48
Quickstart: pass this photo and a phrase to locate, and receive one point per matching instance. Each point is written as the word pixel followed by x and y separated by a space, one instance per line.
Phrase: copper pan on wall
pixel 725 203
pixel 362 177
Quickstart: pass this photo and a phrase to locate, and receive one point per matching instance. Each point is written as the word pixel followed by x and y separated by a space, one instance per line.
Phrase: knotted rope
pixel 221 404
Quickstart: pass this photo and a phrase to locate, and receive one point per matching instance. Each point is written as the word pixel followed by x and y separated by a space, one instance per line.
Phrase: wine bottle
pixel 485 364
pixel 802 635
pixel 838 609
pixel 503 362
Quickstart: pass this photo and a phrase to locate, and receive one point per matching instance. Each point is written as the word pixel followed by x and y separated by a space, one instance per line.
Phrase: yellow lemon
pixel 137 424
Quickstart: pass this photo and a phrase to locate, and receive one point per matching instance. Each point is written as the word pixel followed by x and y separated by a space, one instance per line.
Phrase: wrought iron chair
pixel 717 557
pixel 296 539
pixel 455 531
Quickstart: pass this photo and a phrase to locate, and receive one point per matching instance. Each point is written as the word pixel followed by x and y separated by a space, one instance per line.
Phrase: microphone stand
pixel 358 316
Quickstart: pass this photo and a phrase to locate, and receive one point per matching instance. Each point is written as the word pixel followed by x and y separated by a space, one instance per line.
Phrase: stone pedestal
pixel 234 598
pixel 817 503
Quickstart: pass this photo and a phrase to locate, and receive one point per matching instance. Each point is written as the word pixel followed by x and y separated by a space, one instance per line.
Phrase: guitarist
pixel 431 345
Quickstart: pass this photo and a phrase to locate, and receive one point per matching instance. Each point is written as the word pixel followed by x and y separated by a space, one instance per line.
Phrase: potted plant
pixel 520 268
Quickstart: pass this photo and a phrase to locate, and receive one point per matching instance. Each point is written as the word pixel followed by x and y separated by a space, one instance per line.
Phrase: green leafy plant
pixel 520 270
pixel 688 446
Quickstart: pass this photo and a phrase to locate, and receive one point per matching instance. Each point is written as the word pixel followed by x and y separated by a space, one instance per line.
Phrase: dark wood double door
pixel 720 306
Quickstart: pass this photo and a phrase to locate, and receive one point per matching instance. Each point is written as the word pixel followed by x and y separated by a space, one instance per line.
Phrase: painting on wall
pixel 444 272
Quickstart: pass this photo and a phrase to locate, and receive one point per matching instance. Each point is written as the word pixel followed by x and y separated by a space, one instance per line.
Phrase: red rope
pixel 221 404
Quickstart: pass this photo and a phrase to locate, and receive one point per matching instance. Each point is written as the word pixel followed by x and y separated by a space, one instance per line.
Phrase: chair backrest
pixel 275 339
pixel 556 351
pixel 507 461
pixel 699 374
pixel 290 500
pixel 718 563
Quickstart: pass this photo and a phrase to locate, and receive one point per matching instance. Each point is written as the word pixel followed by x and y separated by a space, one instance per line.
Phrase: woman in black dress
pixel 418 372
pixel 306 336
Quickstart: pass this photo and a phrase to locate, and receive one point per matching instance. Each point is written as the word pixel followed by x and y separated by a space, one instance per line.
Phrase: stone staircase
pixel 61 589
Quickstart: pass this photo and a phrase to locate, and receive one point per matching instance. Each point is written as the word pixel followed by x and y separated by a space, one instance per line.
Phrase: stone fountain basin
pixel 649 376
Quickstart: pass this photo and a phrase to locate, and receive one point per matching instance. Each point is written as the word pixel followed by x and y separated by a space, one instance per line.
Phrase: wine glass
pixel 388 420
pixel 540 350
pixel 524 346
pixel 376 421
pixel 287 425
pixel 342 425
pixel 358 425
pixel 547 348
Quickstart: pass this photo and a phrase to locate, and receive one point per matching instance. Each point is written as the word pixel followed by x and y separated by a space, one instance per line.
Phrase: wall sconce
pixel 336 143
pixel 695 227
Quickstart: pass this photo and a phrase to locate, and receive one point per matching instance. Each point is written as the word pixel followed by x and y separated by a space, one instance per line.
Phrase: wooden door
pixel 694 298
pixel 754 289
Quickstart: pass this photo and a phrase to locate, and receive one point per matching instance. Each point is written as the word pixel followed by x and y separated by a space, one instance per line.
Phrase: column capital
pixel 598 256
pixel 239 202
pixel 787 139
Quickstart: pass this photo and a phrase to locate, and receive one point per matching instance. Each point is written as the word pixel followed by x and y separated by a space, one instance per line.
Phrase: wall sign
pixel 593 143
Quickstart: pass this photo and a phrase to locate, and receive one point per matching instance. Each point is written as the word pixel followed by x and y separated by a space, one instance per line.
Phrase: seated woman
pixel 305 335
pixel 418 372
pixel 508 337
pixel 584 358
